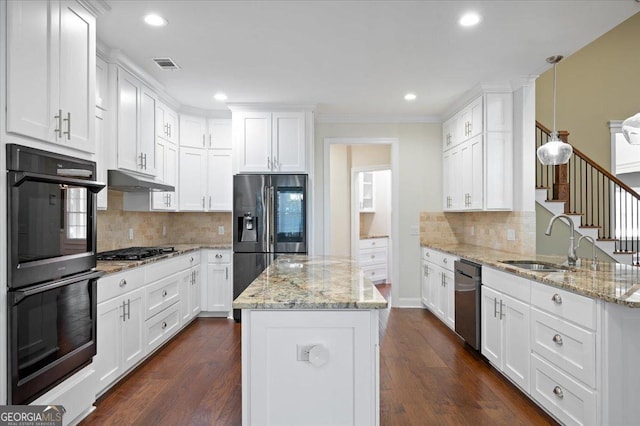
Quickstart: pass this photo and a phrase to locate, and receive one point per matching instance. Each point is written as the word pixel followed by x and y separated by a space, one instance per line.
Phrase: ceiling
pixel 350 57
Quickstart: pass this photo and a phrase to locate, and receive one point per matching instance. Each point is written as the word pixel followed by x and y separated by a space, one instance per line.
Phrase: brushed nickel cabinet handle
pixel 495 307
pixel 68 120
pixel 226 273
pixel 203 141
pixel 557 391
pixel 557 339
pixel 209 140
pixel 124 316
pixel 128 308
pixel 58 117
pixel 269 162
pixel 501 314
pixel 557 299
pixel 203 202
pixel 209 202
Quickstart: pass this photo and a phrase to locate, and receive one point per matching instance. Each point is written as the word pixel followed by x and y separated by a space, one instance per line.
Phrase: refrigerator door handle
pixel 267 223
pixel 272 215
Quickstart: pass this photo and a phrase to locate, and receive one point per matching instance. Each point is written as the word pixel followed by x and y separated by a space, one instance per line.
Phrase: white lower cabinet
pixel 139 310
pixel 438 289
pixel 505 335
pixel 217 288
pixel 120 336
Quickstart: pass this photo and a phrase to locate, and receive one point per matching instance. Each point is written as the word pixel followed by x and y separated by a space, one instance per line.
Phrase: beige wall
pixel 340 185
pixel 419 179
pixel 370 155
pixel 598 83
pixel 190 228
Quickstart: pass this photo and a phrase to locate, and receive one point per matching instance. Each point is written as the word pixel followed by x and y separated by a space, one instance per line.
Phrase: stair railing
pixel 603 200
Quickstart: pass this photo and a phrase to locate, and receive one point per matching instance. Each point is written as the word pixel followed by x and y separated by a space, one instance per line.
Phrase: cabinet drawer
pixel 113 285
pixel 164 268
pixel 504 282
pixel 564 304
pixel 439 258
pixel 162 294
pixel 161 327
pixel 375 272
pixel 562 396
pixel 570 348
pixel 219 256
pixel 370 243
pixel 376 256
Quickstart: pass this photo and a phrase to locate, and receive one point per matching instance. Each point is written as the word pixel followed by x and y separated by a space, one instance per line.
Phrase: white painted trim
pixel 375 118
pixel 395 200
pixel 409 302
pixel 470 95
pixel 615 127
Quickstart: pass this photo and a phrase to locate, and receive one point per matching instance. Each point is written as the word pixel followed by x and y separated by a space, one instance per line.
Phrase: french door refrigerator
pixel 269 218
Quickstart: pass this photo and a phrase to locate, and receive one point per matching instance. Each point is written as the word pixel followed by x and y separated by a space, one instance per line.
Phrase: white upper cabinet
pixel 136 125
pixel 167 123
pixel 477 155
pixel 219 180
pixel 219 133
pixel 193 131
pixel 51 51
pixel 193 174
pixel 270 141
pixel 167 161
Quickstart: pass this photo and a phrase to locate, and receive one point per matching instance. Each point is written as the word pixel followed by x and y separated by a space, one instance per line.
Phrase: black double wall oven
pixel 51 279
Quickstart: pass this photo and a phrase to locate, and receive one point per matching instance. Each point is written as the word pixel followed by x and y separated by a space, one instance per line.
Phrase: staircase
pixel 600 205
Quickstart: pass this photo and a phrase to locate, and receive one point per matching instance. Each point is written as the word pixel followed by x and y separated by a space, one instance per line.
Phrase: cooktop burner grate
pixel 134 253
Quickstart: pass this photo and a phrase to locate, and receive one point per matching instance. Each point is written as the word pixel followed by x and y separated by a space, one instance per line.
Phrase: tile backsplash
pixel 181 228
pixel 484 229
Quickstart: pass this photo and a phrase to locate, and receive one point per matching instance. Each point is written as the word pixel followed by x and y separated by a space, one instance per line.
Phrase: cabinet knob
pixel 444 260
pixel 557 299
pixel 373 243
pixel 218 256
pixel 427 254
pixel 373 272
pixel 191 259
pixel 557 391
pixel 373 256
pixel 318 355
pixel 164 325
pixel 557 339
pixel 164 293
pixel 123 282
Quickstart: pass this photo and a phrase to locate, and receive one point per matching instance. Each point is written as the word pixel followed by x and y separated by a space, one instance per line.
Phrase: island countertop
pixel 311 282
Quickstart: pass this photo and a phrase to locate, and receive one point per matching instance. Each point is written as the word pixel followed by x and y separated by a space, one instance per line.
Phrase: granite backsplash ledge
pixel 483 229
pixel 148 227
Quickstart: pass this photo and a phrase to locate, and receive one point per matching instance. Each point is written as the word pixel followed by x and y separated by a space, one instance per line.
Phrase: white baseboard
pixel 408 302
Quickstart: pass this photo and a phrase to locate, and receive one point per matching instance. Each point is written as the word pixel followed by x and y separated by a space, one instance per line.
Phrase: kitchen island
pixel 310 346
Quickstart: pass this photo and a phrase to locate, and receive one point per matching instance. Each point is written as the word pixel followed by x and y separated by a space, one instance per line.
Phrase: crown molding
pixel 263 106
pixel 471 94
pixel 375 118
pixel 96 7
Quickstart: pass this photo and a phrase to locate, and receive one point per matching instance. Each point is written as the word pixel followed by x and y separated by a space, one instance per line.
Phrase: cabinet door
pixel 192 131
pixel 186 279
pixel 220 133
pixel 220 180
pixel 167 171
pixel 108 359
pixel 101 171
pixel 499 181
pixel 193 162
pixel 133 347
pixel 449 299
pixel 452 170
pixel 32 69
pixel 161 124
pixel 218 288
pixel 288 142
pixel 171 119
pixel 472 173
pixel 491 331
pixel 447 183
pixel 147 147
pixel 424 283
pixel 475 118
pixel 515 319
pixel 441 294
pixel 171 173
pixel 129 95
pixel 194 295
pixel 434 284
pixel 77 75
pixel 252 134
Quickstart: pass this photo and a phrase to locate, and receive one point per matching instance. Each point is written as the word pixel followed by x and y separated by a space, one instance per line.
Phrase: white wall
pixel 419 182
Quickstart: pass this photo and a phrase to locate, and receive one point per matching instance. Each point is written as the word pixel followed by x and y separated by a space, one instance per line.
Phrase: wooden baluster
pixel 561 189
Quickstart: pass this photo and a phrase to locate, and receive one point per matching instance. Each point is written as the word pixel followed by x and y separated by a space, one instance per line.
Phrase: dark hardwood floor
pixel 427 377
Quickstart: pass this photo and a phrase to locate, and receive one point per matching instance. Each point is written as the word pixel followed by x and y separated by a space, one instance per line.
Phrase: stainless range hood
pixel 119 180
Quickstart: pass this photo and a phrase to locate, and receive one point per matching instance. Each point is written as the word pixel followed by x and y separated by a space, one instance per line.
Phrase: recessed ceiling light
pixel 155 20
pixel 220 97
pixel 410 97
pixel 469 19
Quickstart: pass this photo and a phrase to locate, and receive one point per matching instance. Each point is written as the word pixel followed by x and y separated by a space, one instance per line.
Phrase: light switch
pixel 511 235
pixel 221 230
pixel 131 233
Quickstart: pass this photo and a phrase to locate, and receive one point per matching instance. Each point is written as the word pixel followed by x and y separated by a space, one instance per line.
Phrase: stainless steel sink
pixel 536 266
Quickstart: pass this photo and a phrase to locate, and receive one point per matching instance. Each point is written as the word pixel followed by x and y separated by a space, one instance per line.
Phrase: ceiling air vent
pixel 166 63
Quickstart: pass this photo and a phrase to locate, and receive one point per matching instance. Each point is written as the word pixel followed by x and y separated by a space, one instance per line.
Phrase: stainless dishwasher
pixel 467 301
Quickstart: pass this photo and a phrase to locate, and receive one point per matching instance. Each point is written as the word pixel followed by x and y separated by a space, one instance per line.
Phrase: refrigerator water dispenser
pixel 247 228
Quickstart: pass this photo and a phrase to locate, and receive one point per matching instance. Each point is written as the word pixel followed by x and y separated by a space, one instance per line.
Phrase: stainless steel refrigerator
pixel 269 218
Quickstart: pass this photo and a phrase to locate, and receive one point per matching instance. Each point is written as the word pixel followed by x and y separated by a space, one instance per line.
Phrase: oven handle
pixel 19 177
pixel 18 295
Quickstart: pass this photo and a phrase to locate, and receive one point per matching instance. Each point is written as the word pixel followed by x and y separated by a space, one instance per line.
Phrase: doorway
pixel 358 212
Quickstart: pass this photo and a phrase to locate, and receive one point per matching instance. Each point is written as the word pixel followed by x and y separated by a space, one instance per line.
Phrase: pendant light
pixel 555 151
pixel 631 129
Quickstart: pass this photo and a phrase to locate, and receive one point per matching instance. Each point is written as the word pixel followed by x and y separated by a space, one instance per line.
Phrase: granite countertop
pixel 311 282
pixel 611 282
pixel 368 237
pixel 113 266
